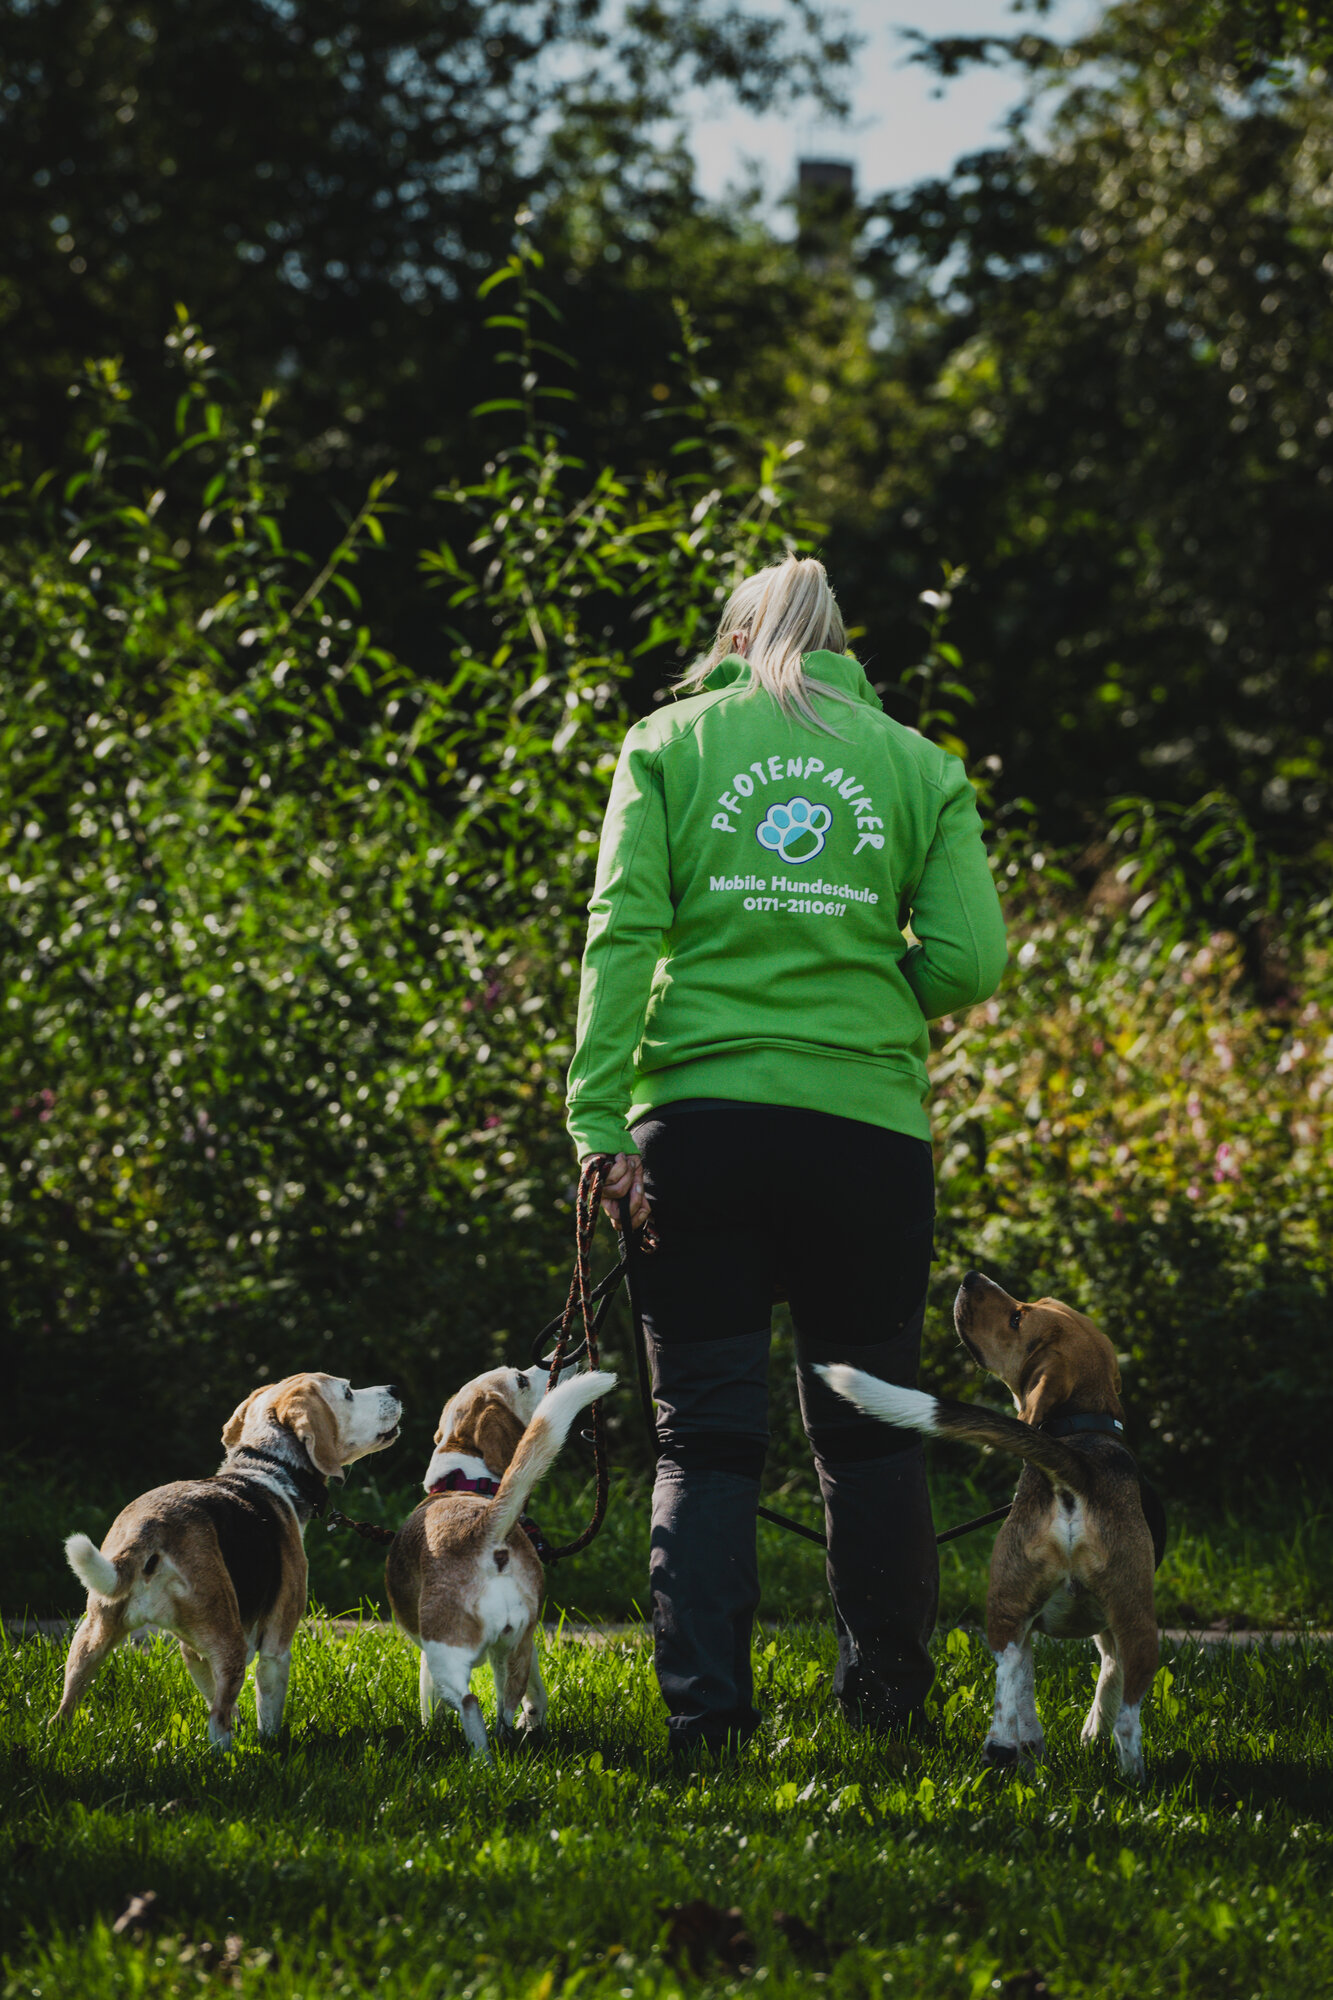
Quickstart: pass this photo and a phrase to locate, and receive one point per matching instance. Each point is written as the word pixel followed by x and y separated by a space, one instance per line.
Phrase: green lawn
pixel 364 1856
pixel 1266 1559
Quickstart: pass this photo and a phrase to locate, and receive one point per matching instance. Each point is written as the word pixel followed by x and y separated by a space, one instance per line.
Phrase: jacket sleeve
pixel 960 951
pixel 631 909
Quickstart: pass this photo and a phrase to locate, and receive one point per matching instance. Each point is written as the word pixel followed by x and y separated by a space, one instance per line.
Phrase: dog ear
pixel 234 1427
pixel 1088 1354
pixel 301 1407
pixel 497 1432
pixel 1049 1386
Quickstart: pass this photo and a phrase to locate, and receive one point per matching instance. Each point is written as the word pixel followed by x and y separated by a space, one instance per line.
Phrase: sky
pixel 900 131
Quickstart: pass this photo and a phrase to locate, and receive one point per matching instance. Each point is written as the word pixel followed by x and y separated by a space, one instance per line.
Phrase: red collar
pixel 459 1482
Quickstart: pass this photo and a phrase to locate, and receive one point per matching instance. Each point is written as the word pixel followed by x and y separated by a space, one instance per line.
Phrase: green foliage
pixel 332 225
pixel 1116 408
pixel 1124 1126
pixel 289 952
pixel 290 948
pixel 1092 365
pixel 365 1855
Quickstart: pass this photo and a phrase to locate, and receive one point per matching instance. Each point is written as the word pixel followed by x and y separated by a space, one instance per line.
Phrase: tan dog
pixel 1076 1556
pixel 221 1562
pixel 463 1577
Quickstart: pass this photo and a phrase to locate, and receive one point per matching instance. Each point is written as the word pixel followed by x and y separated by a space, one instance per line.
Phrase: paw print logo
pixel 796 831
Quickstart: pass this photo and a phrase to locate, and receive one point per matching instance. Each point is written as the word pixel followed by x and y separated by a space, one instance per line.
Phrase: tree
pixel 1108 391
pixel 289 948
pixel 326 184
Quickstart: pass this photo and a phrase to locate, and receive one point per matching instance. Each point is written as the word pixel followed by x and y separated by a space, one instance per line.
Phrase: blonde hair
pixel 784 612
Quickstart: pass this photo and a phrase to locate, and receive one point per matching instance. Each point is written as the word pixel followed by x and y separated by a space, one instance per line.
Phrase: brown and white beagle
pixel 221 1562
pixel 463 1576
pixel 1076 1556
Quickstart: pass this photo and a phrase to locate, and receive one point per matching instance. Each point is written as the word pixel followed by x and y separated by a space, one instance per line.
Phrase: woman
pixel 752 1049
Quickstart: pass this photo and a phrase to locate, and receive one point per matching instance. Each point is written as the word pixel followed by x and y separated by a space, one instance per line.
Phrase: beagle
pixel 1076 1556
pixel 221 1562
pixel 464 1578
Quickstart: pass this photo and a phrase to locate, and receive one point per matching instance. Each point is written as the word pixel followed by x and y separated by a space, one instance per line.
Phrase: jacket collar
pixel 840 670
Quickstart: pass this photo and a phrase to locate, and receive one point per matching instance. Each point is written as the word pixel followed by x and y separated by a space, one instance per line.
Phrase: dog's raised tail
pixel 540 1444
pixel 913 1410
pixel 94 1570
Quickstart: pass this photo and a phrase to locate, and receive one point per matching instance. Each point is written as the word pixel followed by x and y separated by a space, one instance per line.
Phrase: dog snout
pixel 394 1393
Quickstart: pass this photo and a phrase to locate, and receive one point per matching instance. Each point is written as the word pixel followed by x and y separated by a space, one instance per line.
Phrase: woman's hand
pixel 624 1178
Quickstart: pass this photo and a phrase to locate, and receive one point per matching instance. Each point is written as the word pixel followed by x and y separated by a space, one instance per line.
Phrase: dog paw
pixel 999 1756
pixel 527 1736
pixel 1032 1750
pixel 795 832
pixel 1132 1765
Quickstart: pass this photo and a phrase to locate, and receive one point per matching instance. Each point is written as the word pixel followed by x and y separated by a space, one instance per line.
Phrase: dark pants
pixel 748 1200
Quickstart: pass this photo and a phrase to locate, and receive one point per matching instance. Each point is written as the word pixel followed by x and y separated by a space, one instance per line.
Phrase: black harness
pixel 244 1517
pixel 309 1486
pixel 1101 1421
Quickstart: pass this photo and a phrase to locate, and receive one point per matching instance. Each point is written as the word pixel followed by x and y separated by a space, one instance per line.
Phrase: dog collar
pixel 311 1488
pixel 1091 1420
pixel 460 1482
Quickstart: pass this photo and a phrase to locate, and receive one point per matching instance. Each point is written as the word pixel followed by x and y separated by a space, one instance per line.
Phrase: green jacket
pixel 754 881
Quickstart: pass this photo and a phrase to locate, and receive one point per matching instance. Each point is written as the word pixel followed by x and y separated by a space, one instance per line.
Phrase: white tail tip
pixel 910 1409
pixel 92 1568
pixel 580 1389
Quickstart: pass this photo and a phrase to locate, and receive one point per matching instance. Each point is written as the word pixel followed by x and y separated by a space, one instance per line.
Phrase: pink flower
pixel 1193 1191
pixel 1226 1166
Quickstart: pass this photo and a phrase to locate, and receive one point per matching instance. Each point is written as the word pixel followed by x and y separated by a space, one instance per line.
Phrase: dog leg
pixel 1139 1649
pixel 200 1670
pixel 506 1695
pixel 272 1672
pixel 97 1636
pixel 1109 1690
pixel 426 1691
pixel 1015 1731
pixel 536 1699
pixel 226 1660
pixel 451 1672
pixel 1129 1743
pixel 519 1670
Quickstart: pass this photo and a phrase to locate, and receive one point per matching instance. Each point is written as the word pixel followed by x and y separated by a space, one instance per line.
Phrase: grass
pixel 363 1855
pixel 1266 1559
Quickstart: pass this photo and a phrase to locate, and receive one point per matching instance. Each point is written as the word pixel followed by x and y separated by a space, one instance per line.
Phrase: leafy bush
pixel 1124 1126
pixel 292 936
pixel 290 948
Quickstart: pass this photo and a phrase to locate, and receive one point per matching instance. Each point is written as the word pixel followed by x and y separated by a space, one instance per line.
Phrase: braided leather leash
pixel 579 1310
pixel 578 1313
pixel 367 1530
